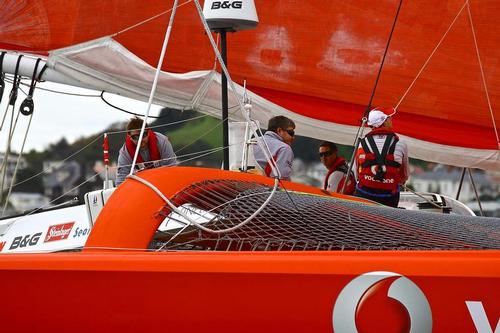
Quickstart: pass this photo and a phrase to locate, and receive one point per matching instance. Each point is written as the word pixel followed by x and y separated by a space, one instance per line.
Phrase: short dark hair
pixel 333 147
pixel 134 124
pixel 279 122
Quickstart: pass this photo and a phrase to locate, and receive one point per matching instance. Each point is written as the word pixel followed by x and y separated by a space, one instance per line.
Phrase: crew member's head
pixel 134 129
pixel 284 127
pixel 328 153
pixel 381 117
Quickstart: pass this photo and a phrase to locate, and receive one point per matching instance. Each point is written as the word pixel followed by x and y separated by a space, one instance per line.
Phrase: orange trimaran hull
pixel 228 292
pixel 129 291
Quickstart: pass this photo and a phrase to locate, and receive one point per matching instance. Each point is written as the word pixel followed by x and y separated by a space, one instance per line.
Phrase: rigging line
pixel 60 163
pixel 126 111
pixel 255 131
pixel 4 115
pixel 431 55
pixel 138 114
pixel 5 161
pixel 7 108
pixel 206 152
pixel 163 125
pixel 149 19
pixel 293 202
pixel 195 155
pixel 383 60
pixel 55 91
pixel 59 197
pixel 201 136
pixel 206 133
pixel 63 92
pixel 17 165
pixel 482 75
pixel 367 109
pixel 155 81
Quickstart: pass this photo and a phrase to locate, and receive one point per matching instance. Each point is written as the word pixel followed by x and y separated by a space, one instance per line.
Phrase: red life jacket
pixel 154 153
pixel 268 169
pixel 378 170
pixel 341 165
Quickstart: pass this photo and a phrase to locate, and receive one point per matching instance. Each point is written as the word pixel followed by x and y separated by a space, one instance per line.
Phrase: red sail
pixel 316 58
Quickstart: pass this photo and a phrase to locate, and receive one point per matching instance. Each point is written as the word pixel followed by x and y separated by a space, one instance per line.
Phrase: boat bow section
pixel 134 212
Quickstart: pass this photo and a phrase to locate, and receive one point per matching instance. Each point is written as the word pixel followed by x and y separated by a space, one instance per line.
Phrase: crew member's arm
pixel 334 181
pixel 405 165
pixel 355 168
pixel 124 164
pixel 166 151
pixel 284 161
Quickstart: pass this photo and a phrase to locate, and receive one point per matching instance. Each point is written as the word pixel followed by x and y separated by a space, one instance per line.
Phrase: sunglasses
pixel 290 132
pixel 325 154
pixel 135 137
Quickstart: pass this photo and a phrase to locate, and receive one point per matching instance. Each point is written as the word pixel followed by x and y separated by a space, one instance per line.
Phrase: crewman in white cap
pixel 381 160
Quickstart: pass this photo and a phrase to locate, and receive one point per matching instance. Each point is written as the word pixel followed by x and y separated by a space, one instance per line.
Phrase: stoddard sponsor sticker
pixel 58 232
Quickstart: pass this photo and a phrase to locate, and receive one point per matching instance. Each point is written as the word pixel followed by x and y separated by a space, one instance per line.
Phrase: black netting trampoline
pixel 296 221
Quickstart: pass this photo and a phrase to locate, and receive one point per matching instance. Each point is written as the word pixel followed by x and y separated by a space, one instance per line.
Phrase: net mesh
pixel 296 221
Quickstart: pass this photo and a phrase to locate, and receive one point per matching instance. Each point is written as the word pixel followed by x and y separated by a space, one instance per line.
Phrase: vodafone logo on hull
pixel 381 302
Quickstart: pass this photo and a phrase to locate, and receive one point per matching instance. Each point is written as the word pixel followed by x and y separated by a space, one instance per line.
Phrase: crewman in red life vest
pixel 278 139
pixel 381 160
pixel 155 150
pixel 337 170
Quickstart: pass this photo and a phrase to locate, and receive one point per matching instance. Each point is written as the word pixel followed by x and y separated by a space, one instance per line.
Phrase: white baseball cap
pixel 377 116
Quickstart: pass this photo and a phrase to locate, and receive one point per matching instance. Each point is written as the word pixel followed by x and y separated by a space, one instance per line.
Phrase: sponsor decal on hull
pixel 382 302
pixel 58 232
pixel 480 319
pixel 25 241
pixel 2 244
pixel 80 232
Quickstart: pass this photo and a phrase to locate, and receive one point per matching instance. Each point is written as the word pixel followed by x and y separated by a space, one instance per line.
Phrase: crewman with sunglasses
pixel 278 139
pixel 154 150
pixel 337 170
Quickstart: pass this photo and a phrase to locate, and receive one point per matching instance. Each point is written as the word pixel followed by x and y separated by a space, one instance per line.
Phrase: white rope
pixel 186 225
pixel 155 83
pixel 196 224
pixel 5 164
pixel 17 165
pixel 150 19
pixel 432 54
pixel 4 116
pixel 483 76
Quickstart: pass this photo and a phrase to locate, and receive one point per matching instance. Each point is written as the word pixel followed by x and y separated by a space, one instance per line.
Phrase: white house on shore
pixel 22 202
pixel 7 172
